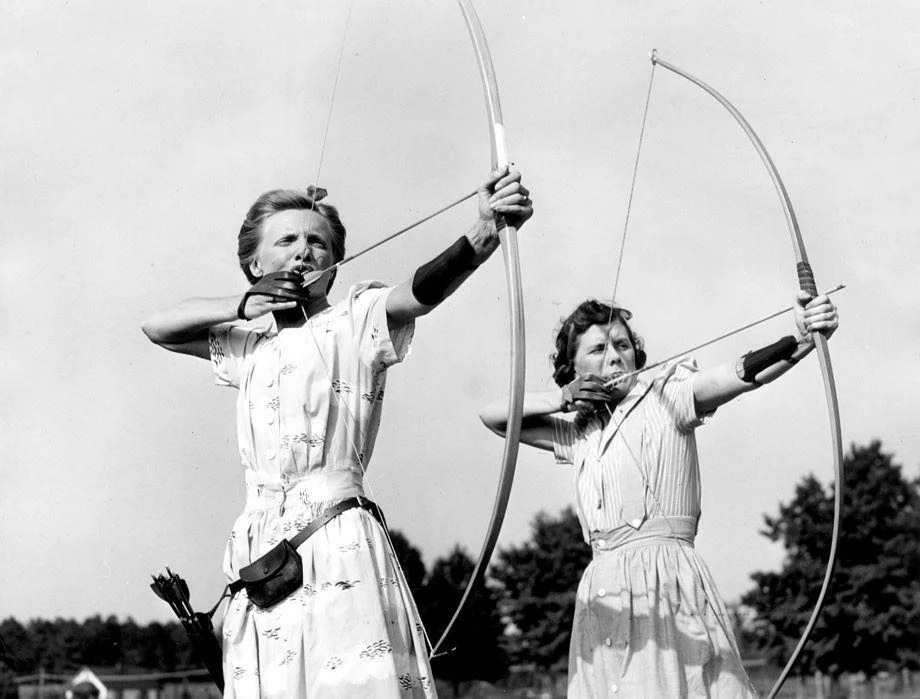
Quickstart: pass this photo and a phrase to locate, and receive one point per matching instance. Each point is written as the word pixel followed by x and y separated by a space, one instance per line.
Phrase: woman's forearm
pixel 189 320
pixel 495 414
pixel 717 386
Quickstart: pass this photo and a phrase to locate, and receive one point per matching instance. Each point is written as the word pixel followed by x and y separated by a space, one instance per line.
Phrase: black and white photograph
pixel 459 349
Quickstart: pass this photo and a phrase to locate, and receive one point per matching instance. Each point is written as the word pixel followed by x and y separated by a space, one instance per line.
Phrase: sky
pixel 134 136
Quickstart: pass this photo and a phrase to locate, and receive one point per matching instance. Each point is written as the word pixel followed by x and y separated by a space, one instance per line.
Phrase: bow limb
pixel 806 283
pixel 509 244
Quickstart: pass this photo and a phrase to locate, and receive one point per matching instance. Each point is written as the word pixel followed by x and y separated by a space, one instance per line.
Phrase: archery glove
pixel 279 286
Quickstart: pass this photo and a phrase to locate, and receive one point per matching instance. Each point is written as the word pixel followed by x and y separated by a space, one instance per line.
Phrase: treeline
pixel 522 619
pixel 65 645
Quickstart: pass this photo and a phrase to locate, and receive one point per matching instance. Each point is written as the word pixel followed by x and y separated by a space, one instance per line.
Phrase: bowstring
pixel 645 480
pixel 410 602
pixel 629 201
pixel 632 185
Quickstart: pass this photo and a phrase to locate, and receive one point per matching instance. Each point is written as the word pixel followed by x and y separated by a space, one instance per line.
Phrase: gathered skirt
pixel 650 623
pixel 351 630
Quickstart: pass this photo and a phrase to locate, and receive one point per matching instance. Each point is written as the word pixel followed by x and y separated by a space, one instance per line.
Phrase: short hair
pixel 587 314
pixel 283 200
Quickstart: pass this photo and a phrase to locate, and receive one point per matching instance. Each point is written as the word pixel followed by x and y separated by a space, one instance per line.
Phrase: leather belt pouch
pixel 274 576
pixel 279 573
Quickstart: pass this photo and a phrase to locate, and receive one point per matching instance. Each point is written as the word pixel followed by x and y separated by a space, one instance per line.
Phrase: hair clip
pixel 316 193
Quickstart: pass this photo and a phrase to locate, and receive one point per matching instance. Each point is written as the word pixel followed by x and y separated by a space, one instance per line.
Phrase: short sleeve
pixel 564 438
pixel 675 386
pixel 379 348
pixel 229 346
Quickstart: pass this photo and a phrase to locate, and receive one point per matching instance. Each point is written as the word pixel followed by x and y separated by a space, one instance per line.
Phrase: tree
pixel 410 560
pixel 165 647
pixel 8 688
pixel 49 647
pixel 538 581
pixel 15 646
pixel 101 642
pixel 871 621
pixel 473 651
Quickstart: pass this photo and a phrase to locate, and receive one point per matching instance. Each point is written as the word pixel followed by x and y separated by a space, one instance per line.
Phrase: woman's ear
pixel 639 349
pixel 256 269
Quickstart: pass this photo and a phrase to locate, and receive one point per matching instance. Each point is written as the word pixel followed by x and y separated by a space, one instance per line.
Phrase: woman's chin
pixel 619 391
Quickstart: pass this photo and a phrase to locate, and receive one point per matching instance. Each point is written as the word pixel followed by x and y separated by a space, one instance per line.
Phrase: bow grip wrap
pixel 806 278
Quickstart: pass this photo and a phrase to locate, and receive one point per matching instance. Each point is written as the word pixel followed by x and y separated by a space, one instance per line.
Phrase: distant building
pixel 106 683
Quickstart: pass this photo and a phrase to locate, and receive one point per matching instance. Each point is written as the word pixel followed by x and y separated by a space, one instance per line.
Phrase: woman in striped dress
pixel 649 621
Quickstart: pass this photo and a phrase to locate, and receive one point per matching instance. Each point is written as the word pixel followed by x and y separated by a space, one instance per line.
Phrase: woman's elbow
pixel 496 425
pixel 155 332
pixel 149 329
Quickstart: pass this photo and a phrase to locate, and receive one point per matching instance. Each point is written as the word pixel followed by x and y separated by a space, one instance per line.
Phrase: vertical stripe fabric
pixel 650 433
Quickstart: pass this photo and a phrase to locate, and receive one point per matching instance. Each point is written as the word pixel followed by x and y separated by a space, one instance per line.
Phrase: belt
pixel 321 521
pixel 658 530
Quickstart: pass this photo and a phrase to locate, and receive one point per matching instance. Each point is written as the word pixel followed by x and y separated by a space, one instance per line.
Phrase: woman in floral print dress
pixel 311 390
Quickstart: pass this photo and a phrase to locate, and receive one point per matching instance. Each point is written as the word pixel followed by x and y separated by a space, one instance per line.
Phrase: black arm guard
pixel 756 361
pixel 433 280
